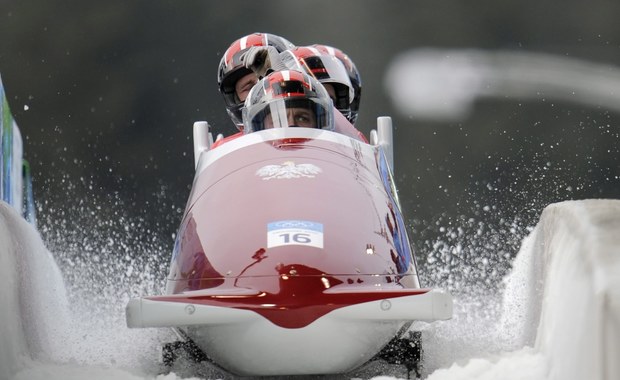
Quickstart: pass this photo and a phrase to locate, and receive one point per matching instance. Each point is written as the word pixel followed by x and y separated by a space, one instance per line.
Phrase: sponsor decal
pixel 294 232
pixel 288 170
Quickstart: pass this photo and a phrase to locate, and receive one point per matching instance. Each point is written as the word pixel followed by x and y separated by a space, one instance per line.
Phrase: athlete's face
pixel 244 85
pixel 299 117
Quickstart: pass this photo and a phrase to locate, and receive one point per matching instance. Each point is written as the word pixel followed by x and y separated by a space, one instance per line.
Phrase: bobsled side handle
pixel 202 140
pixel 385 139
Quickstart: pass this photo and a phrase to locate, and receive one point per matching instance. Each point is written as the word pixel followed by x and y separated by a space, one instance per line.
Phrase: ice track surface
pixel 561 311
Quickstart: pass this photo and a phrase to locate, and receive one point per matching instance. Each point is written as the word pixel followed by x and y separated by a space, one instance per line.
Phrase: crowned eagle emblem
pixel 288 170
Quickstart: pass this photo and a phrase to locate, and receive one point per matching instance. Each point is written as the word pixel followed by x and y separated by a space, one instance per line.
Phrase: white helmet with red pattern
pixel 354 77
pixel 327 68
pixel 288 98
pixel 232 68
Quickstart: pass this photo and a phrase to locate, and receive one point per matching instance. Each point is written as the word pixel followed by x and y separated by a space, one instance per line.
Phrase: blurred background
pixel 499 108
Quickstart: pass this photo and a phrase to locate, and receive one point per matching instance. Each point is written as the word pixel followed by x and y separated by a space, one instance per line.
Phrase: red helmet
pixel 354 77
pixel 231 68
pixel 288 98
pixel 327 69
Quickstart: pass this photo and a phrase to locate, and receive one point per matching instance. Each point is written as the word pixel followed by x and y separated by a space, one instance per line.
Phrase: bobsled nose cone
pixel 133 313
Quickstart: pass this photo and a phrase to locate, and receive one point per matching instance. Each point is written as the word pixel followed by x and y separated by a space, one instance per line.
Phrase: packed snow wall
pixel 577 244
pixel 561 303
pixel 34 307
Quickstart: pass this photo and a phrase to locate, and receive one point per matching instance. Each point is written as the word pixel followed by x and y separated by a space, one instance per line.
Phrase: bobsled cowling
pixel 291 237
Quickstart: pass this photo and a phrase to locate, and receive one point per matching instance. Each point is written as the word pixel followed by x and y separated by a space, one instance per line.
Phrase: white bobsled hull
pixel 327 346
pixel 246 343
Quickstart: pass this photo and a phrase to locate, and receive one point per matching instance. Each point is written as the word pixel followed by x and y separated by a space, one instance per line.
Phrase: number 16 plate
pixel 294 232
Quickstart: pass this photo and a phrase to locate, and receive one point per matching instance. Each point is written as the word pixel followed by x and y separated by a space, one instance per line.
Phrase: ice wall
pixel 561 306
pixel 34 309
pixel 579 330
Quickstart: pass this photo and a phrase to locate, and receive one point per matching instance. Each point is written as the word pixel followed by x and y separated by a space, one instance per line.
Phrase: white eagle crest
pixel 288 170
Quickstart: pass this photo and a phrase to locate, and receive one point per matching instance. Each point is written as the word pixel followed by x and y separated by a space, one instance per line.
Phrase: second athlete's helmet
pixel 354 77
pixel 327 68
pixel 232 68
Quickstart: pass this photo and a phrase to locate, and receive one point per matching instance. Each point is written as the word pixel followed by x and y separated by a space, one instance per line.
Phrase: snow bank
pixel 13 348
pixel 41 335
pixel 33 313
pixel 562 300
pixel 579 328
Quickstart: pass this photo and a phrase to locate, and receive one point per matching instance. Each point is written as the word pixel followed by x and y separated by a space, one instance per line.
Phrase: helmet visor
pixel 291 112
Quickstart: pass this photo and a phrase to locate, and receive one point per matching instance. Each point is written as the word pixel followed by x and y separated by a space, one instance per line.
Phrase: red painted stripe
pixel 293 94
pixel 232 50
pixel 256 39
pixel 294 310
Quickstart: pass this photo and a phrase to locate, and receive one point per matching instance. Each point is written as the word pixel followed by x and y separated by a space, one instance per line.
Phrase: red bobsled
pixel 292 256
